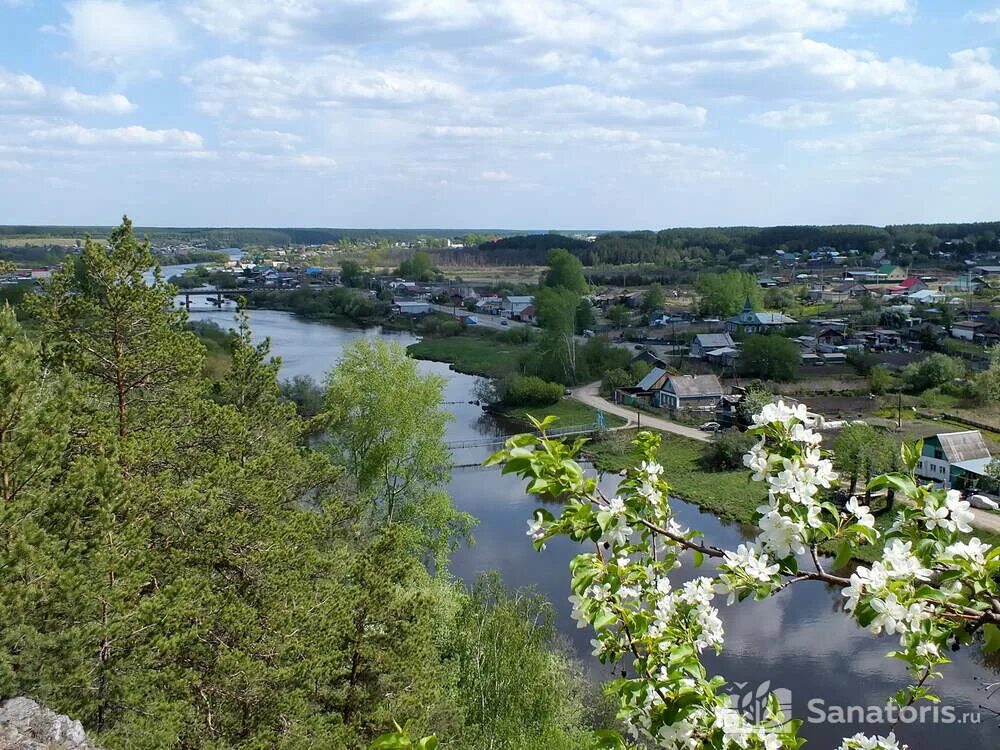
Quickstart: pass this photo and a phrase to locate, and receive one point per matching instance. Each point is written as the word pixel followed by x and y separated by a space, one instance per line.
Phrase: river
pixel 797 640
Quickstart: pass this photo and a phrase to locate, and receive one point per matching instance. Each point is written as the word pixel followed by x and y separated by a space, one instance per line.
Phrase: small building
pixel 966 329
pixel 724 357
pixel 527 315
pixel 515 304
pixel 689 392
pixel 908 285
pixel 703 343
pixel 888 272
pixel 926 297
pixel 411 307
pixel 887 339
pixel 947 449
pixel 749 321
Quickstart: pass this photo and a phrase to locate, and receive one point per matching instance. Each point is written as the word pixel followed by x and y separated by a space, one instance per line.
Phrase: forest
pixel 184 565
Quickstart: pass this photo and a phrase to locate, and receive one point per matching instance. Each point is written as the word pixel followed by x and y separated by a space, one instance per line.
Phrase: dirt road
pixel 589 395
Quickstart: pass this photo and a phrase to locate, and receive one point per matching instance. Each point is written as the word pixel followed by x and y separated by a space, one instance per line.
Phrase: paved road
pixel 589 395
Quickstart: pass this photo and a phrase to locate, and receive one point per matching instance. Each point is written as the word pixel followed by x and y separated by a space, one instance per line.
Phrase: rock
pixel 25 725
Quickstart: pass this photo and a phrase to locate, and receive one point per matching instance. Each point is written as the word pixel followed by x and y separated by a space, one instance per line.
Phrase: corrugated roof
pixel 963 446
pixel 647 383
pixel 695 385
pixel 974 465
pixel 714 340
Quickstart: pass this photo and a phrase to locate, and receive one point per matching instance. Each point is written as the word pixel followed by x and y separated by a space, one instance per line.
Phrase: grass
pixel 728 494
pixel 473 355
pixel 569 412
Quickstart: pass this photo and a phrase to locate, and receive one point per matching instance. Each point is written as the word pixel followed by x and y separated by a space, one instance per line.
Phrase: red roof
pixel 909 281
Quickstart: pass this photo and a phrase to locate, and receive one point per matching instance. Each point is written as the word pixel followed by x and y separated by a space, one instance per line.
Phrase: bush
pixel 770 357
pixel 862 362
pixel 617 378
pixel 725 452
pixel 305 393
pixel 527 390
pixel 936 369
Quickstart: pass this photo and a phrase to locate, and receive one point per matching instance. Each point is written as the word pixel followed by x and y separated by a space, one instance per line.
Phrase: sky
pixel 544 114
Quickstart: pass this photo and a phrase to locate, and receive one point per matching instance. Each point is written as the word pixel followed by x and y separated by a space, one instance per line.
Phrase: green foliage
pixel 934 370
pixel 654 299
pixel 862 452
pixel 988 381
pixel 879 380
pixel 725 452
pixel 351 273
pixel 519 689
pixel 620 315
pixel 342 302
pixel 754 399
pixel 387 431
pixel 770 357
pixel 305 393
pixel 418 266
pixel 616 378
pixel 724 294
pixel 527 390
pixel 863 362
pixel 565 272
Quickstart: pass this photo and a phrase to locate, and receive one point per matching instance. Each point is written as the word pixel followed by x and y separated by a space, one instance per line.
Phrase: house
pixel 703 343
pixel 749 321
pixel 513 305
pixel 724 357
pixel 962 284
pixel 987 270
pixel 888 272
pixel 926 297
pixel 967 330
pixel 650 358
pixel 830 336
pixel 887 339
pixel 946 450
pixel 689 392
pixel 851 289
pixel 908 285
pixel 527 315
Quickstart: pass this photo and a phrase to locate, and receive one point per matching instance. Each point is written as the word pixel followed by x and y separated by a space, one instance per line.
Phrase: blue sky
pixel 505 113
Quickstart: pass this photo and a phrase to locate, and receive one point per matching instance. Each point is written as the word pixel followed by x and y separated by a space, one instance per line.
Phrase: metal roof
pixel 647 383
pixel 714 340
pixel 694 385
pixel 963 446
pixel 974 465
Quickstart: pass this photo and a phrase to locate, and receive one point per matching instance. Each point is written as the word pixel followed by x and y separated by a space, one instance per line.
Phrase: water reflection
pixel 797 640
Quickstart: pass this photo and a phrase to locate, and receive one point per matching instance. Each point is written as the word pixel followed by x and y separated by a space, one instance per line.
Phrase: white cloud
pixel 794 117
pixel 22 91
pixel 256 138
pixel 113 35
pixel 985 16
pixel 133 136
pixel 495 175
pixel 19 87
pixel 114 104
pixel 272 88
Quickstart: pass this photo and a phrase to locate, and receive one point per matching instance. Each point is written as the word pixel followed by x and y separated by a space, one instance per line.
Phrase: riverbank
pixel 487 356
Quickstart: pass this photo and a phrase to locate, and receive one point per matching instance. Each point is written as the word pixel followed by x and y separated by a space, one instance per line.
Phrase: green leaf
pixel 844 552
pixel 991 636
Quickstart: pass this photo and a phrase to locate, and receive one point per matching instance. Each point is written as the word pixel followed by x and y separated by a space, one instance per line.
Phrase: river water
pixel 798 640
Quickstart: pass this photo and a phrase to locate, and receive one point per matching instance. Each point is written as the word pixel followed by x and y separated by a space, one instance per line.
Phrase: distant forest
pixel 676 248
pixel 221 237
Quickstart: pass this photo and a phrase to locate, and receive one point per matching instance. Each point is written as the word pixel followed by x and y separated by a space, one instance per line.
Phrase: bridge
pixel 222 294
pixel 589 428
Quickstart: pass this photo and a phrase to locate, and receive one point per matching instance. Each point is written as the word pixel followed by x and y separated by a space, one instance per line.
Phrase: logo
pixel 752 701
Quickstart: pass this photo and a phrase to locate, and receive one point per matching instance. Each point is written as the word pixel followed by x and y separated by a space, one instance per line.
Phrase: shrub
pixel 617 378
pixel 527 390
pixel 934 370
pixel 725 452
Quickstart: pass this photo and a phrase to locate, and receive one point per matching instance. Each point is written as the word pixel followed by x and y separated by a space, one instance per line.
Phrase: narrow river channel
pixel 797 641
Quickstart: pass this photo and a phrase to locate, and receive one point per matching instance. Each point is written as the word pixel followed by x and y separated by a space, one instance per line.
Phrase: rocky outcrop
pixel 24 725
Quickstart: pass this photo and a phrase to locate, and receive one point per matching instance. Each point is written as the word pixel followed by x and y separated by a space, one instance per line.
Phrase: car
pixel 504 323
pixel 983 503
pixel 567 392
pixel 640 347
pixel 710 427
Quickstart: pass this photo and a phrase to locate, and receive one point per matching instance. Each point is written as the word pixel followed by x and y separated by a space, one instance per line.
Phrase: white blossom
pixel 973 550
pixel 900 561
pixel 861 512
pixel 780 534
